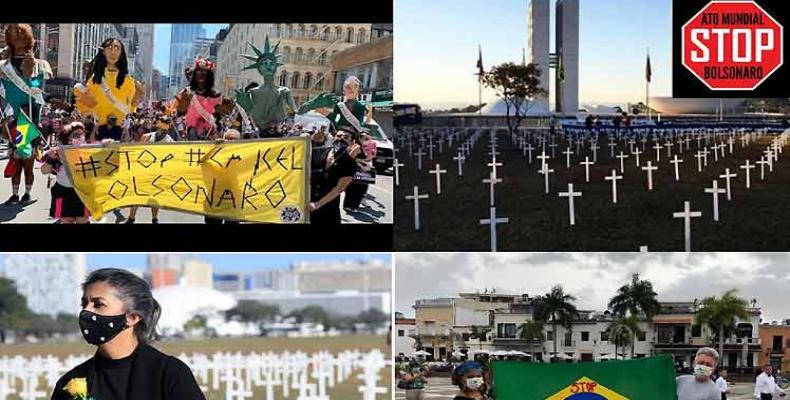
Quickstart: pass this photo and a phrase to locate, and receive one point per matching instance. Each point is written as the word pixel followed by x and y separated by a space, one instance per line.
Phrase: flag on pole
pixel 480 70
pixel 560 69
pixel 643 379
pixel 648 70
pixel 26 132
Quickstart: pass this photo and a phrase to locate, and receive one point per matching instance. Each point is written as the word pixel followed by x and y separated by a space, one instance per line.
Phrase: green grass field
pixel 753 221
pixel 345 390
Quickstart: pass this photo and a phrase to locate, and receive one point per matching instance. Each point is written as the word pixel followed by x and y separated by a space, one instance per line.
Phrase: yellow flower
pixel 77 388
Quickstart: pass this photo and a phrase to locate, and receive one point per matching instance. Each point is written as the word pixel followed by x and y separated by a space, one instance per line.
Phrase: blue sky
pixel 436 47
pixel 233 262
pixel 162 43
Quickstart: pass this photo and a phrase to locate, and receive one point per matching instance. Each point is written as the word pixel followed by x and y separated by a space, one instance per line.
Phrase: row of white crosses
pixel 296 375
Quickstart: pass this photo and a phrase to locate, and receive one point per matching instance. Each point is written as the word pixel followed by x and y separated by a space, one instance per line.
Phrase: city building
pixel 156 81
pixel 197 274
pixel 676 333
pixel 404 333
pixel 775 345
pixel 163 87
pixel 306 52
pixel 162 277
pixel 203 49
pixel 228 282
pixel 446 325
pixel 566 57
pixel 165 260
pixel 434 321
pixel 371 63
pixel 182 46
pixel 60 292
pixel 345 303
pixel 363 276
pixel 274 279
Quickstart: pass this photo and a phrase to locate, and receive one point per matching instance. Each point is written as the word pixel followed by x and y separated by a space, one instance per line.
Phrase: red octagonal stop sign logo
pixel 732 45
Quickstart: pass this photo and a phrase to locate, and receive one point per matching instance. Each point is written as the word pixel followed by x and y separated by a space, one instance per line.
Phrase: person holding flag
pixel 21 79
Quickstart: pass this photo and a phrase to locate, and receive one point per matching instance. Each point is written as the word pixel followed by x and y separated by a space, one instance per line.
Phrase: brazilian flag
pixel 639 379
pixel 26 132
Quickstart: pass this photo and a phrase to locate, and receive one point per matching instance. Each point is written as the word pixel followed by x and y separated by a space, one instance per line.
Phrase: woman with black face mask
pixel 119 316
pixel 339 170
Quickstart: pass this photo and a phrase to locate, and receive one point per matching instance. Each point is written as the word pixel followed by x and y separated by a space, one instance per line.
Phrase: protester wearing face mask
pixel 119 316
pixel 338 173
pixel 160 135
pixel 470 379
pixel 699 386
pixel 412 380
pixel 66 206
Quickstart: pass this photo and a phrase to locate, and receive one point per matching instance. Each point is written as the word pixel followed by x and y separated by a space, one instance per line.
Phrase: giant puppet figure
pixel 199 103
pixel 266 104
pixel 341 111
pixel 21 80
pixel 110 93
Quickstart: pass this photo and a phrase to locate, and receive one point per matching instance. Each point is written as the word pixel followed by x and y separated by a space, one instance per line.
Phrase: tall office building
pixel 182 45
pixel 564 58
pixel 60 292
pixel 197 274
pixel 567 50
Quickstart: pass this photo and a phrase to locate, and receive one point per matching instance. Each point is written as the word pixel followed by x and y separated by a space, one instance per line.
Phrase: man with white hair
pixel 699 386
pixel 765 386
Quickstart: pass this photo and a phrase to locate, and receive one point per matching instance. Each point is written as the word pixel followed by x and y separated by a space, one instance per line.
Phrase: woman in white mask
pixel 700 386
pixel 471 381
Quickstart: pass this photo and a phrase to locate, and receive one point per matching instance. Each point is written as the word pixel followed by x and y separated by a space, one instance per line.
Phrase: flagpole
pixel 647 88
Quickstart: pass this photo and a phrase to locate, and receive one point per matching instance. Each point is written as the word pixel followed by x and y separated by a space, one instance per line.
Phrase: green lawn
pixel 346 390
pixel 754 220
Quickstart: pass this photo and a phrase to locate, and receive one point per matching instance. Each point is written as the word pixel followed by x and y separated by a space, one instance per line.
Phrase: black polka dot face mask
pixel 99 329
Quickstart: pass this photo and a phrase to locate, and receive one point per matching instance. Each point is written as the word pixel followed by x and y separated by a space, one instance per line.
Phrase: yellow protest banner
pixel 265 180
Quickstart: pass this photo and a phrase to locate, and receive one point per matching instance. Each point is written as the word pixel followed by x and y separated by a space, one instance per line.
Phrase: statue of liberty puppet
pixel 268 104
pixel 21 80
pixel 111 93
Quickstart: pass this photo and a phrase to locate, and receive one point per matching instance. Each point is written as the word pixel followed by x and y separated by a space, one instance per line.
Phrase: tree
pixel 253 311
pixel 372 317
pixel 312 313
pixel 196 323
pixel 619 334
pixel 13 308
pixel 556 308
pixel 720 314
pixel 632 299
pixel 516 84
pixel 480 333
pixel 532 331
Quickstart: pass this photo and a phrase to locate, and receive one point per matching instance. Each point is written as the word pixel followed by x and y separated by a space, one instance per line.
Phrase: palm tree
pixel 619 333
pixel 720 314
pixel 480 333
pixel 532 331
pixel 556 308
pixel 632 299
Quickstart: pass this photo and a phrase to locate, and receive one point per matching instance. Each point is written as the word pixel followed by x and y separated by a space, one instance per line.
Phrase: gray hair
pixel 136 296
pixel 352 80
pixel 708 351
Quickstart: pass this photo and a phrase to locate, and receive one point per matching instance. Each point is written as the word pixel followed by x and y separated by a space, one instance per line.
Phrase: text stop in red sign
pixel 732 45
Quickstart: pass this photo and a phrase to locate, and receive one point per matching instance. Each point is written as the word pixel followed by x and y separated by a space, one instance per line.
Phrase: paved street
pixel 375 208
pixel 440 388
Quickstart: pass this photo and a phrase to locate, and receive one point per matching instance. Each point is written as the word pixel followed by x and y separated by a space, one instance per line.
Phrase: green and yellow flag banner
pixel 640 379
pixel 26 133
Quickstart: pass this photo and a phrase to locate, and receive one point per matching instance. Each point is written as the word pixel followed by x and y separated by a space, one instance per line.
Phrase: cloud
pixel 595 277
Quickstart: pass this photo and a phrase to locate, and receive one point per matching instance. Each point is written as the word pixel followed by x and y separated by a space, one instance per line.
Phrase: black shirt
pixel 147 374
pixel 329 213
pixel 107 132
